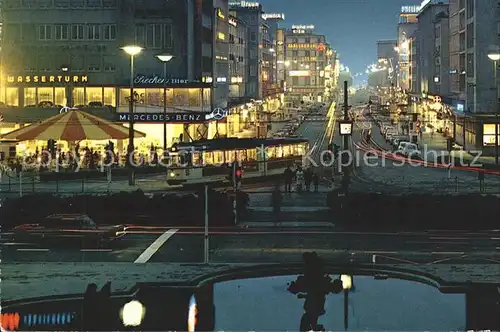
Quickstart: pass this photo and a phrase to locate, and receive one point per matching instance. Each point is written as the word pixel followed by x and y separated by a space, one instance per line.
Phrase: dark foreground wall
pixel 124 208
pixel 416 212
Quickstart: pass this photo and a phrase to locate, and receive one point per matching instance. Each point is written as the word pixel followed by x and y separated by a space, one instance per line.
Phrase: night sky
pixel 352 27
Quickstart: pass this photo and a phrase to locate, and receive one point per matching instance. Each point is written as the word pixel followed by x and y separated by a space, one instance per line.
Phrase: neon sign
pixel 277 16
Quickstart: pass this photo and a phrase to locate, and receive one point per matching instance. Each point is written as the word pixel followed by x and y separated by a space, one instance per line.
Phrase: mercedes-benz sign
pixel 217 114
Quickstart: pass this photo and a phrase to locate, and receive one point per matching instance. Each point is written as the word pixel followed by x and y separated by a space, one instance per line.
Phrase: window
pixel 489 134
pixel 470 64
pixel 77 62
pixel 61 31
pixel 470 35
pixel 109 63
pixel 29 3
pixel 29 96
pixel 77 32
pixel 109 31
pixel 470 8
pixel 44 32
pixel 153 36
pixel 253 36
pixel 110 96
pixel 94 95
pixel 139 34
pixel 45 95
pixel 60 97
pixel 167 35
pixel 221 36
pixel 93 32
pixel 12 97
pixel 93 63
pixel 78 97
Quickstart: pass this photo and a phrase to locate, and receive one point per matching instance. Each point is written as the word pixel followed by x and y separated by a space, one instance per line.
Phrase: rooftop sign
pixel 244 4
pixel 275 16
pixel 303 27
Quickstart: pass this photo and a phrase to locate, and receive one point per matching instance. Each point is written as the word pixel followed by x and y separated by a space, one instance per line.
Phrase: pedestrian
pixel 276 201
pixel 299 178
pixel 288 175
pixel 315 180
pixel 308 179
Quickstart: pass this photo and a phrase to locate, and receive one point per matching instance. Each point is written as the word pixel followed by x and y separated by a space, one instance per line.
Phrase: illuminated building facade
pixel 406 28
pixel 237 57
pixel 387 55
pixel 73 57
pixel 307 54
pixel 251 13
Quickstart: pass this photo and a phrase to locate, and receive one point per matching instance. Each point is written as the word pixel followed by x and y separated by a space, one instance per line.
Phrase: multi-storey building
pixel 406 28
pixel 251 13
pixel 474 34
pixel 237 57
pixel 432 58
pixel 270 81
pixel 388 57
pixel 73 57
pixel 307 55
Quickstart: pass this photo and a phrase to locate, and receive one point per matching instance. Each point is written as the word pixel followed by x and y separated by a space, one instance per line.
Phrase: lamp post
pixel 164 58
pixel 495 56
pixel 131 50
pixel 346 285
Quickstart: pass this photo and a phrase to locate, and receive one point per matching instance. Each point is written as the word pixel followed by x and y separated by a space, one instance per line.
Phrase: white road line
pixel 153 248
pixel 32 249
pixel 448 253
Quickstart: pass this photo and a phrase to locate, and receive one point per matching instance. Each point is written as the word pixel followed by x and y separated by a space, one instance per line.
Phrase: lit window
pixel 110 97
pixel 221 36
pixel 60 97
pixel 29 96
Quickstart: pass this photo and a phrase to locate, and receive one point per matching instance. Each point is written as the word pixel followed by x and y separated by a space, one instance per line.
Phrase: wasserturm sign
pixel 47 79
pixel 142 79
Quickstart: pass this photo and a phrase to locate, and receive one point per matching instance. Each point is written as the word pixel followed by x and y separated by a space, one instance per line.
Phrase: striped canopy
pixel 73 125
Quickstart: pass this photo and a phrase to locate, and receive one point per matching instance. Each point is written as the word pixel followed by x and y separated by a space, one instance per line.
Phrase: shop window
pixel 140 96
pixel 194 97
pixel 181 97
pixel 124 97
pixel 94 97
pixel 153 36
pixel 60 97
pixel 110 97
pixel 45 97
pixel 170 96
pixel 154 97
pixel 207 102
pixel 30 97
pixel 78 97
pixel 489 134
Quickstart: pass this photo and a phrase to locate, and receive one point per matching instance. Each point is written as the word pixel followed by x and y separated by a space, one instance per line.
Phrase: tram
pixel 210 161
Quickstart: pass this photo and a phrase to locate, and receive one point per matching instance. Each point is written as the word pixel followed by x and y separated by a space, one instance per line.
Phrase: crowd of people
pixel 303 179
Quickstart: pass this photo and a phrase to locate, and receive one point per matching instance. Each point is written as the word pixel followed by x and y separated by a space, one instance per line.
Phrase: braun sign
pixel 273 16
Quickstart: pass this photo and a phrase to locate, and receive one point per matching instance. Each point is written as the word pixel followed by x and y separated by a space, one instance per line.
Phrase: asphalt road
pixel 384 175
pixel 269 245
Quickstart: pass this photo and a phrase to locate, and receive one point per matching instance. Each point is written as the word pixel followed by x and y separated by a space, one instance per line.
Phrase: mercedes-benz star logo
pixel 219 113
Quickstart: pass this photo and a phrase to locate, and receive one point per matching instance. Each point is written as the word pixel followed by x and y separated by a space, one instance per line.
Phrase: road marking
pixel 96 250
pixel 448 253
pixel 449 238
pixel 153 248
pixel 32 249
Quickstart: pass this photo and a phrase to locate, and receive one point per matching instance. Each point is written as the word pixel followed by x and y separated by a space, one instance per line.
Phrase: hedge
pixel 415 212
pixel 125 208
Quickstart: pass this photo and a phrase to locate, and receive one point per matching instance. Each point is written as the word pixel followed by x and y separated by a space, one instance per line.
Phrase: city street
pixel 269 244
pixel 385 175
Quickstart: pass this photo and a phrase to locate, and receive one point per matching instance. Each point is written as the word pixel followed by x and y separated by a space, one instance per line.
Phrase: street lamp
pixel 131 50
pixel 495 56
pixel 346 286
pixel 164 58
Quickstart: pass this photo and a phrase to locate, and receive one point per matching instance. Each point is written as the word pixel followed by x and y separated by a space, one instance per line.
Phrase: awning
pixel 74 125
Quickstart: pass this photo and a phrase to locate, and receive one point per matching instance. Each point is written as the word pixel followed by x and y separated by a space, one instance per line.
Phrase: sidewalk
pixel 438 143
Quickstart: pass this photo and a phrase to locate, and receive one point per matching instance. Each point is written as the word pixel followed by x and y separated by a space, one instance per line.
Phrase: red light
pixel 238 172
